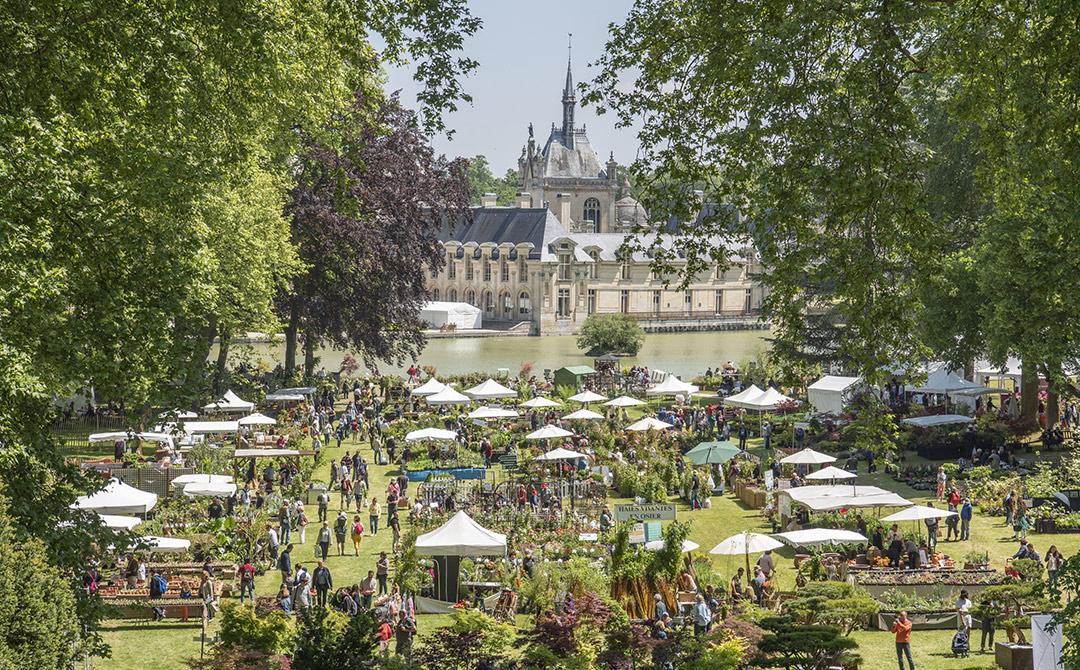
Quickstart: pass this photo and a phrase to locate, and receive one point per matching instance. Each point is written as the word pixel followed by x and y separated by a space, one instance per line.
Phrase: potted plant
pixel 974 560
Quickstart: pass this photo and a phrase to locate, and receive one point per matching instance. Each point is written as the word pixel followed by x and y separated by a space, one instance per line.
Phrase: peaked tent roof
pixel 461 536
pixel 624 401
pixel 448 396
pixel 117 498
pixel 490 389
pixel 548 432
pixel 746 394
pixel 672 385
pixel 430 387
pixel 257 419
pixel 560 454
pixel 487 412
pixel 808 456
pixel 649 423
pixel 587 396
pixel 431 434
pixel 230 402
pixel 540 402
pixel 833 383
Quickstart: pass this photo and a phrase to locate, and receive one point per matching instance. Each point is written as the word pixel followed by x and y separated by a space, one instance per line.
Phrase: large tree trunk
pixel 309 356
pixel 1052 414
pixel 1029 394
pixel 224 338
pixel 291 330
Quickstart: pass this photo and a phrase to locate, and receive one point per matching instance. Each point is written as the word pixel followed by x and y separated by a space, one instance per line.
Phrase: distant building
pixel 555 256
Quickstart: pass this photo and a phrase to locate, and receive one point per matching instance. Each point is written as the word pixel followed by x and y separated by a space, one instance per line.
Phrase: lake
pixel 685 354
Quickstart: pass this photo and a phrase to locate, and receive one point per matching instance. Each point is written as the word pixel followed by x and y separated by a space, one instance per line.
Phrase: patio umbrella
pixel 744 544
pixel 448 396
pixel 808 457
pixel 919 513
pixel 708 453
pixel 257 419
pixel 540 402
pixel 560 454
pixel 548 432
pixel 624 401
pixel 587 397
pixel 439 434
pixel 649 423
pixel 492 413
pixel 687 545
pixel 583 415
pixel 831 473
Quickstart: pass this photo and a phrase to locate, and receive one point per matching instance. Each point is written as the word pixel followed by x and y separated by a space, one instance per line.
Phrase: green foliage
pixel 272 633
pixel 667 562
pixel 576 576
pixel 788 644
pixel 832 603
pixel 617 333
pixel 327 640
pixel 482 180
pixel 471 640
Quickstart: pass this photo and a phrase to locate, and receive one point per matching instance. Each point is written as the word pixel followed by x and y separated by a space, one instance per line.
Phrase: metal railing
pixel 701 314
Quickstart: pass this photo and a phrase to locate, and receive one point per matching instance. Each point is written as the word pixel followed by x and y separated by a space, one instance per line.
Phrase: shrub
pixel 618 333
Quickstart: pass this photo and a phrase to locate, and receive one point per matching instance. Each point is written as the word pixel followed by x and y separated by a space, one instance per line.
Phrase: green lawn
pixel 167 645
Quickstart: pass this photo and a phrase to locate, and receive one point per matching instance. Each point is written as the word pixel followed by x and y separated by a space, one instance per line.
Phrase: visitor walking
pixel 341 527
pixel 902 628
pixel 324 541
pixel 966 512
pixel 323 583
pixel 382 571
pixel 374 511
pixel 247 581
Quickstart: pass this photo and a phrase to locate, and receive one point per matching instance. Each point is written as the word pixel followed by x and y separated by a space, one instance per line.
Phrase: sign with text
pixel 654 512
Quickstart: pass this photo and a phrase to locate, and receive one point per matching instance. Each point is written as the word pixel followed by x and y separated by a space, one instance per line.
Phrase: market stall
pixel 457 538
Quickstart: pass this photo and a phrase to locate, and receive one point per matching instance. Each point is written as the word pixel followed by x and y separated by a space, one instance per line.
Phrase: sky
pixel 522 53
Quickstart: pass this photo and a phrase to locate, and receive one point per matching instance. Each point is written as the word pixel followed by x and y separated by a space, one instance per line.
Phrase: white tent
pixel 583 415
pixel 824 498
pixel 448 396
pixel 489 390
pixel 746 394
pixel 492 413
pixel 548 432
pixel 264 453
pixel 257 419
pixel 937 420
pixel 830 394
pixel 166 545
pixel 164 438
pixel 944 382
pixel 687 546
pixel 807 456
pixel 560 454
pixel 292 394
pixel 230 402
pixel 118 498
pixel 201 427
pixel 120 522
pixel 461 536
pixel 1012 369
pixel 814 536
pixel 178 483
pixel 649 423
pixel 624 401
pixel 178 414
pixel 672 385
pixel 430 387
pixel 540 402
pixel 461 315
pixel 439 434
pixel 587 397
pixel 209 489
pixel 919 513
pixel 830 473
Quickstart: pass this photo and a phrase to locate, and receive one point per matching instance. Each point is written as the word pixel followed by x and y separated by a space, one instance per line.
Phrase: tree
pixel 617 333
pixel 482 180
pixel 835 604
pixel 471 640
pixel 365 216
pixel 329 640
pixel 1068 582
pixel 788 644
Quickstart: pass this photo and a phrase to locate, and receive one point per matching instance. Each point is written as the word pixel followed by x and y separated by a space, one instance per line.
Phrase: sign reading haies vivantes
pixel 656 512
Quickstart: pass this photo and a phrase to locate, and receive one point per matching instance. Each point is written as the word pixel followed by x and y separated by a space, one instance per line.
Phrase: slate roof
pixel 580 162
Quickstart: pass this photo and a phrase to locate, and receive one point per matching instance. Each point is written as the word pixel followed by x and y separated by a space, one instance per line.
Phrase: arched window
pixel 470 297
pixel 435 295
pixel 507 305
pixel 451 295
pixel 489 304
pixel 591 214
pixel 524 306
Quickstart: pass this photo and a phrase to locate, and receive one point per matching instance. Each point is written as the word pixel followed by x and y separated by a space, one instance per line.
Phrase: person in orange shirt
pixel 902 628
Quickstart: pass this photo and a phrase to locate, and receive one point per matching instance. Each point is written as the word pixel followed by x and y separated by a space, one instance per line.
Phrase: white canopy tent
pixel 649 423
pixel 548 432
pixel 560 454
pixel 178 414
pixel 807 456
pixel 583 415
pixel 919 513
pixel 437 434
pixel 587 397
pixel 264 453
pixel 178 483
pixel 461 536
pixel 540 402
pixel 209 489
pixel 746 394
pixel 257 419
pixel 487 412
pixel 117 498
pixel 944 382
pixel 831 394
pixel 490 390
pixel 766 401
pixel 293 394
pixel 448 396
pixel 116 436
pixel 460 315
pixel 230 402
pixel 831 473
pixel 624 401
pixel 824 498
pixel 937 420
pixel 205 427
pixel 672 385
pixel 120 522
pixel 430 387
pixel 814 536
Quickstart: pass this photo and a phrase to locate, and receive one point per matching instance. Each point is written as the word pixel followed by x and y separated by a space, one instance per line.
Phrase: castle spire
pixel 568 99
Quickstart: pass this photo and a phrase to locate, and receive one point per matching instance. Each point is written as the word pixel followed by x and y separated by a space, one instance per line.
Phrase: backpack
pixel 358 528
pixel 158 586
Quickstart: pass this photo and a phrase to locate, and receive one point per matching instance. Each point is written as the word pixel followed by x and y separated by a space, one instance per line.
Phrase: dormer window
pixel 564 265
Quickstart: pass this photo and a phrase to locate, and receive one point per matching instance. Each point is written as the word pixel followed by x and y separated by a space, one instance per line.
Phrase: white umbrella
pixel 560 454
pixel 744 544
pixel 830 473
pixel 540 403
pixel 587 397
pixel 257 419
pixel 583 415
pixel 492 413
pixel 489 390
pixel 430 387
pixel 431 434
pixel 687 546
pixel 448 396
pixel 548 432
pixel 649 423
pixel 807 457
pixel 919 513
pixel 624 401
pixel 209 489
pixel 672 385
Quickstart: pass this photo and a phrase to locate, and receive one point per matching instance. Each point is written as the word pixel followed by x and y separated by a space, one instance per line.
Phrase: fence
pixel 151 479
pixel 74 432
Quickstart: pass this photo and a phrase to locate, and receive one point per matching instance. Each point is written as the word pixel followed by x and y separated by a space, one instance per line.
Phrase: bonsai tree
pixel 1009 603
pixel 789 644
pixel 832 603
pixel 618 333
